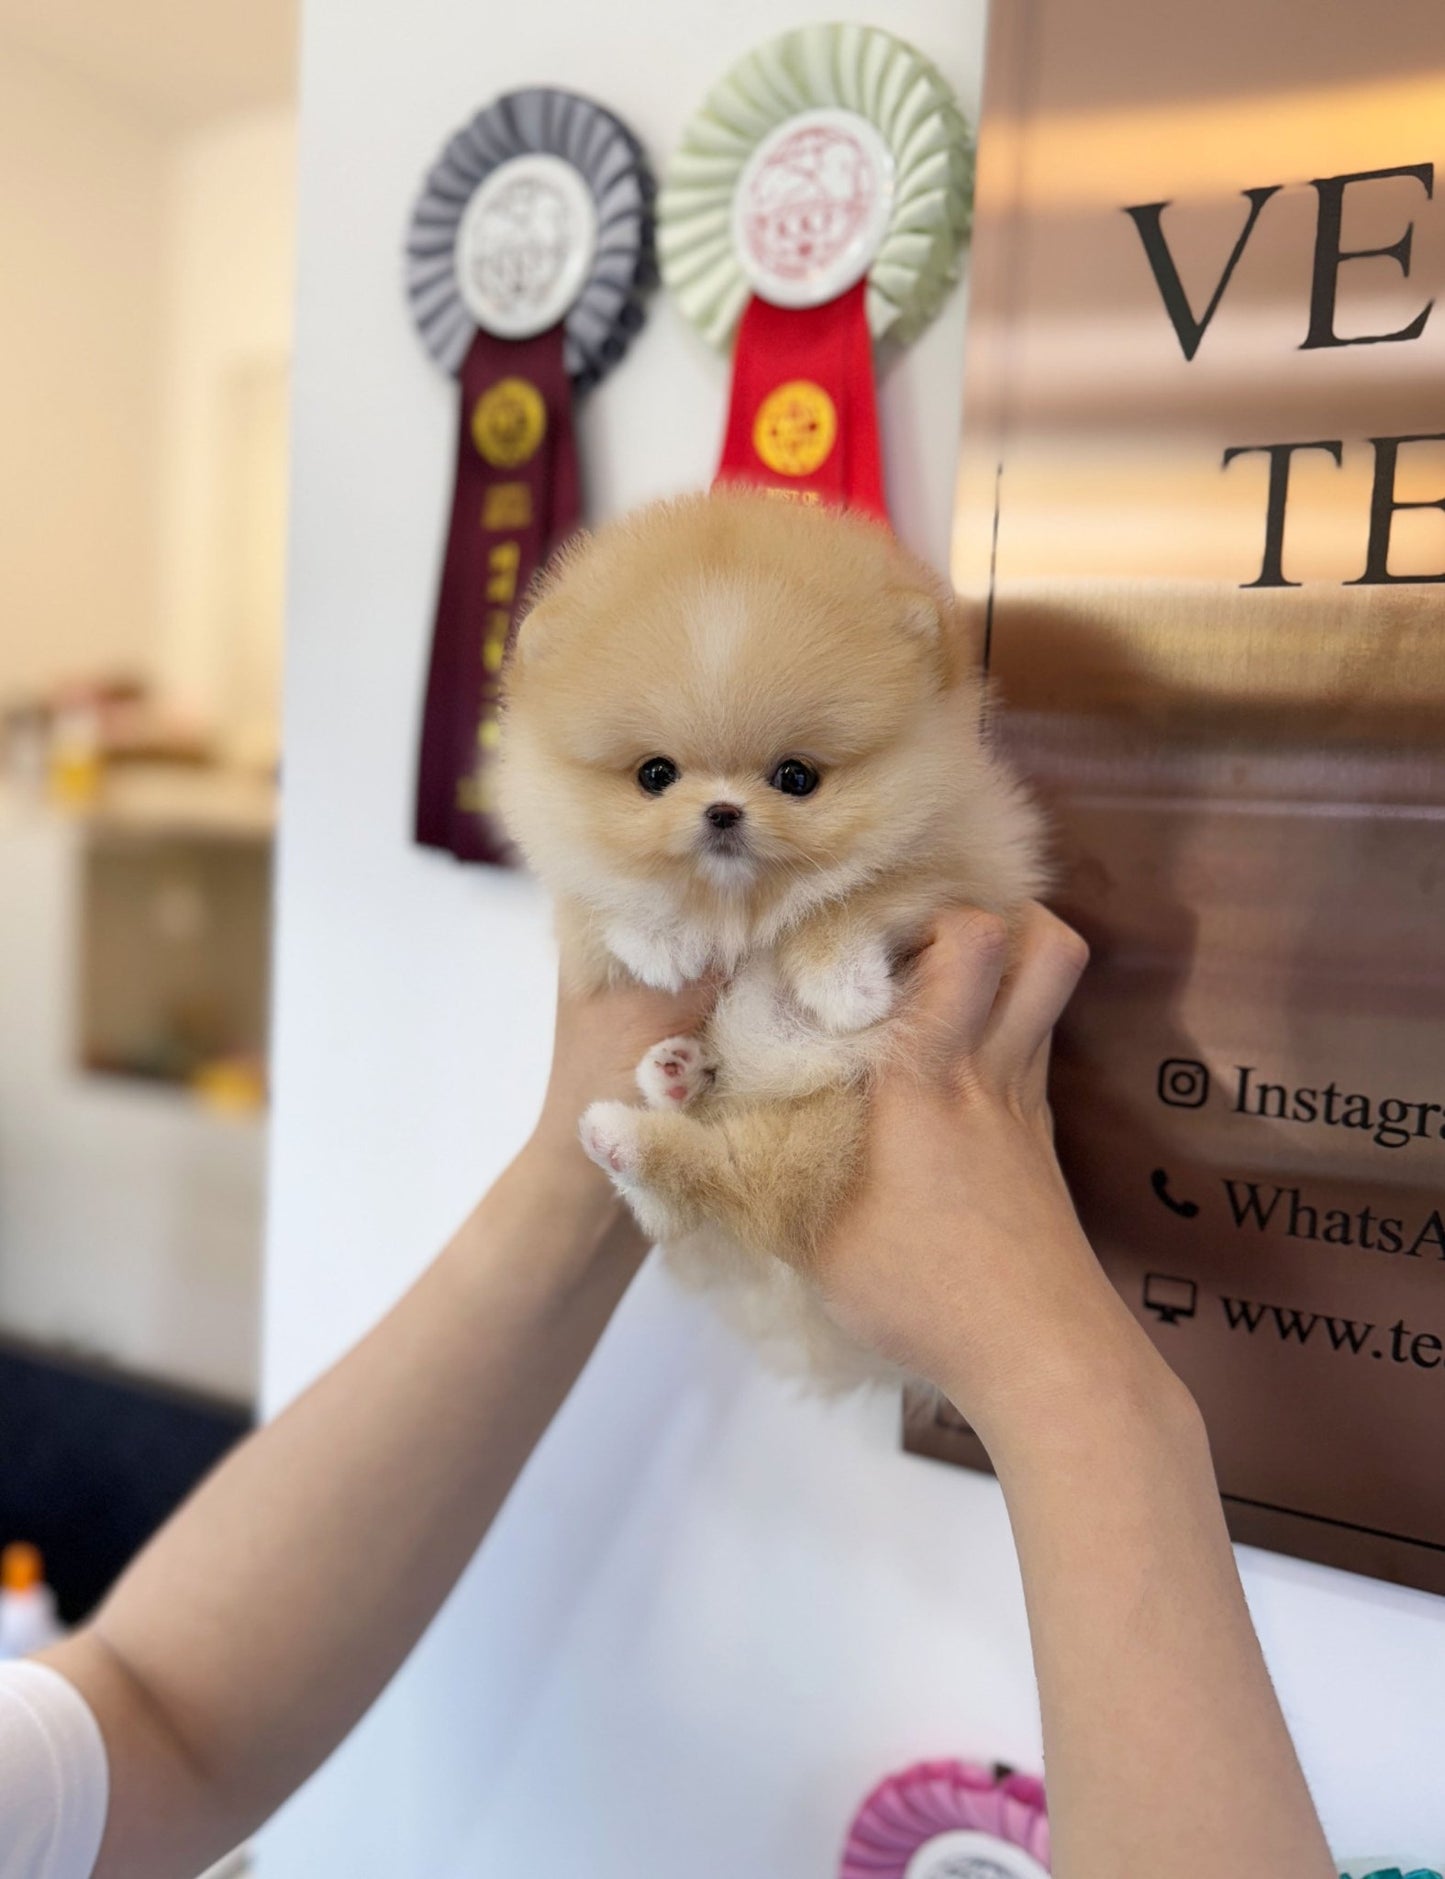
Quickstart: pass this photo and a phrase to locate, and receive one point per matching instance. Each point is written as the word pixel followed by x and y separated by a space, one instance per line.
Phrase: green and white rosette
pixel 884 185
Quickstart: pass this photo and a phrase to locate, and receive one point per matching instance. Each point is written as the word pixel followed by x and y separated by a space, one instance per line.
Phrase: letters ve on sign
pixel 1330 256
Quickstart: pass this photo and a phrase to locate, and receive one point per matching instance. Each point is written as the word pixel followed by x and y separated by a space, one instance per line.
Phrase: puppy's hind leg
pixel 772 1174
pixel 669 1167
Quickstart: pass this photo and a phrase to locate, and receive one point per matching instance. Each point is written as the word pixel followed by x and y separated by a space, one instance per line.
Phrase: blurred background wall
pixel 147 225
pixel 85 226
pixel 222 484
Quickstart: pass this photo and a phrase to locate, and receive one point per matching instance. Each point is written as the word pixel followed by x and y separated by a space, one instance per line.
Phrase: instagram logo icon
pixel 1183 1083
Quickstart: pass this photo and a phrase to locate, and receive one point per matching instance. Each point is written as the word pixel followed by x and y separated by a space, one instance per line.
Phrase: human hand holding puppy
pixel 960 1255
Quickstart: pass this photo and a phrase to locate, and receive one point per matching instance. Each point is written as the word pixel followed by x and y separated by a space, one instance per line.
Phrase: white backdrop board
pixel 711 1615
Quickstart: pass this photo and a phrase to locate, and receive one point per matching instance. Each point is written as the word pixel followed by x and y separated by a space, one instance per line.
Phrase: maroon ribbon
pixel 516 498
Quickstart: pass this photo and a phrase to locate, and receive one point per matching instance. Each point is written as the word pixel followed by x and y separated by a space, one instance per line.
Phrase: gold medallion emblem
pixel 795 428
pixel 509 420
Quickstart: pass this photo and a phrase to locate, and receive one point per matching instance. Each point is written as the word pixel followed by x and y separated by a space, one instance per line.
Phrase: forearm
pixel 1165 1749
pixel 268 1614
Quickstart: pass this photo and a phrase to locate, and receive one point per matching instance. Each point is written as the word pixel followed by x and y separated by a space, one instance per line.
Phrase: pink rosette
pixel 981 1825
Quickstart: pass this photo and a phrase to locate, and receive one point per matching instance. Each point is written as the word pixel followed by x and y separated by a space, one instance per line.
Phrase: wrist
pixel 553 1201
pixel 1105 1392
pixel 552 1171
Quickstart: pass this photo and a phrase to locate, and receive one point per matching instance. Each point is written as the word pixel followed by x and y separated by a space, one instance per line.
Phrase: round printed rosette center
pixel 538 210
pixel 811 207
pixel 525 245
pixel 831 153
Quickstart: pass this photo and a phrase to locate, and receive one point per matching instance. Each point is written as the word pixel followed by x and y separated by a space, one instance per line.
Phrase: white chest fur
pixel 669 953
pixel 770 1046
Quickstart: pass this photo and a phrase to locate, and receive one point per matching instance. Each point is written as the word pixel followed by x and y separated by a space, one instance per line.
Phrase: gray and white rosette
pixel 539 209
pixel 830 152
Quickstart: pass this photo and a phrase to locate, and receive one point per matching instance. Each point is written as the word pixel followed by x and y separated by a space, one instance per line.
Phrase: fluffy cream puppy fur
pixel 741 736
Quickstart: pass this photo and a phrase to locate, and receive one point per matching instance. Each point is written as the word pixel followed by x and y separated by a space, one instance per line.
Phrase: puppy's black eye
pixel 794 777
pixel 658 774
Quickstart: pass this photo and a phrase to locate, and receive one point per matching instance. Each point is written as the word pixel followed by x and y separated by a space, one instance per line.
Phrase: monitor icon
pixel 1170 1299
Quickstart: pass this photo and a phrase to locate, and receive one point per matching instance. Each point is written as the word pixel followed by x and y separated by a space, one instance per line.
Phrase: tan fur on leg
pixel 771 1174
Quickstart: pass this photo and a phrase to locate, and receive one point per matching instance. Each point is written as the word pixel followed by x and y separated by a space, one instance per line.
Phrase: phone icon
pixel 1159 1181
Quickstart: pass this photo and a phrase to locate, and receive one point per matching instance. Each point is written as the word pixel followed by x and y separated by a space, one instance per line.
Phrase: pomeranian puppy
pixel 741 736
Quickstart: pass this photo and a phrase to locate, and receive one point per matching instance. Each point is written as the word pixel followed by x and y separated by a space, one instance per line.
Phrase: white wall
pixel 711 1615
pixel 82 233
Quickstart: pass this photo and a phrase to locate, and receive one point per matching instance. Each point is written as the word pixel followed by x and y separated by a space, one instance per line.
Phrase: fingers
pixel 958 977
pixel 1047 963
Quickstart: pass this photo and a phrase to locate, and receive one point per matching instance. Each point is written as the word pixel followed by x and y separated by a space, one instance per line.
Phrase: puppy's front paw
pixel 850 992
pixel 673 1072
pixel 610 1137
pixel 650 958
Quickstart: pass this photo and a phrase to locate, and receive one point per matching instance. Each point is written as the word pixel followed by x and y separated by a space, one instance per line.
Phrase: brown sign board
pixel 1201 533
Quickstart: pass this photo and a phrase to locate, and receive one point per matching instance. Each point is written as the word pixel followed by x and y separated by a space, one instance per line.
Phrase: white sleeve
pixel 54 1780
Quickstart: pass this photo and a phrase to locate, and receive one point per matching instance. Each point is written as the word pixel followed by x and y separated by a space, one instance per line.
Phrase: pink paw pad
pixel 673 1072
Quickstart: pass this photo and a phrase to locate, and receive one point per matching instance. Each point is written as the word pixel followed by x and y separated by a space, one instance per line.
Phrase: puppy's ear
pixel 537 624
pixel 533 631
pixel 920 613
pixel 934 615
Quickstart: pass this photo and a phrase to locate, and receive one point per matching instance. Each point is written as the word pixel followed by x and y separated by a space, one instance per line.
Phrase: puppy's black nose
pixel 723 815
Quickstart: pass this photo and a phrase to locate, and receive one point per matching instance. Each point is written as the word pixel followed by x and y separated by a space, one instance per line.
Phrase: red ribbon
pixel 516 498
pixel 804 415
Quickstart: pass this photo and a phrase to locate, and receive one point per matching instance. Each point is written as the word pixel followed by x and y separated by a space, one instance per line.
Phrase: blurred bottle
pixel 27 1604
pixel 76 766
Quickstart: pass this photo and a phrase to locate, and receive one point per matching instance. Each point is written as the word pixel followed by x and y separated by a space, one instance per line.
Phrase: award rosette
pixel 1390 1868
pixel 950 1820
pixel 819 202
pixel 528 252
